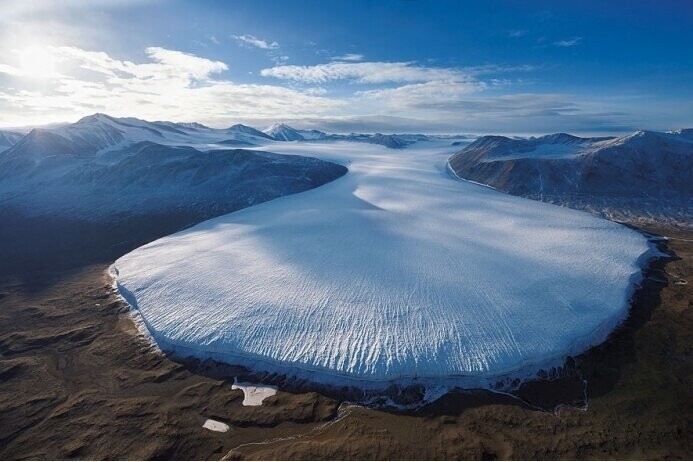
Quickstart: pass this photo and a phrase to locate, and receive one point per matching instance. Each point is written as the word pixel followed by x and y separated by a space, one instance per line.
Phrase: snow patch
pixel 253 394
pixel 215 426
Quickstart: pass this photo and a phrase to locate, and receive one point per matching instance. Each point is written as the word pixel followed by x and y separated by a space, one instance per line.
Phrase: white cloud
pixel 191 65
pixel 496 69
pixel 171 85
pixel 366 72
pixel 167 65
pixel 214 40
pixel 279 60
pixel 434 107
pixel 256 42
pixel 568 43
pixel 348 57
pixel 178 86
pixel 517 33
pixel 315 91
pixel 403 88
pixel 384 72
pixel 10 70
pixel 418 97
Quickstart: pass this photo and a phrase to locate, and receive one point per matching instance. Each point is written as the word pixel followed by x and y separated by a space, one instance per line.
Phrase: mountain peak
pixel 683 132
pixel 280 125
pixel 283 132
pixel 559 138
pixel 96 117
pixel 247 130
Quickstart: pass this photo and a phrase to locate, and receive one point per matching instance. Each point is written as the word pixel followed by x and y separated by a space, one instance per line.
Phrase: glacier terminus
pixel 398 270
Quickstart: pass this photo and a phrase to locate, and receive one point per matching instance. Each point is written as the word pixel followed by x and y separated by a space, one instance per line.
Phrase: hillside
pixel 646 175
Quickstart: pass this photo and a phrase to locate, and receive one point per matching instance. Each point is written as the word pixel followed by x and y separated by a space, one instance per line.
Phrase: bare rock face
pixel 643 175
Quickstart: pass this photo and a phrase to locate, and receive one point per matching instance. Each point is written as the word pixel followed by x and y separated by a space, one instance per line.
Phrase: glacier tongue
pixel 395 270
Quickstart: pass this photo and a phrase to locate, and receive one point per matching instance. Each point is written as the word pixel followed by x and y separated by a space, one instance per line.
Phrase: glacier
pixel 398 270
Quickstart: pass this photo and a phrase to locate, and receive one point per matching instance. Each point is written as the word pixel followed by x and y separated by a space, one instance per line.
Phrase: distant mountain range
pixel 283 132
pixel 246 130
pixel 101 166
pixel 86 168
pixel 103 131
pixel 646 175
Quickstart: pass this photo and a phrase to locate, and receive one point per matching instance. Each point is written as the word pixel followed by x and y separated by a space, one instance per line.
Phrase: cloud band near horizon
pixel 180 86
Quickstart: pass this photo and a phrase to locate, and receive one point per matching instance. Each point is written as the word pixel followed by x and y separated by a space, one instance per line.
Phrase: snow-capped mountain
pixel 313 134
pixel 643 175
pixel 102 132
pixel 389 141
pixel 246 130
pixel 282 132
pixel 188 125
pixel 8 139
pixel 102 165
pixel 151 178
pixel 393 141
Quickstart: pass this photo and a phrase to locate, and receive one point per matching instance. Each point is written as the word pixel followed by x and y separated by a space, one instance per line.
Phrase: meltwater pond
pixel 395 270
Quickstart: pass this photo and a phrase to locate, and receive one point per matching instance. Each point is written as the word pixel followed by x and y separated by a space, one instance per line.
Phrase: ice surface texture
pixel 395 270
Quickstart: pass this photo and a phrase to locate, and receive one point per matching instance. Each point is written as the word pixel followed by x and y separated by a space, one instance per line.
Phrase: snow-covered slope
pixel 247 131
pixel 100 132
pixel 149 178
pixel 312 135
pixel 8 139
pixel 395 270
pixel 282 132
pixel 644 175
pixel 101 166
pixel 389 141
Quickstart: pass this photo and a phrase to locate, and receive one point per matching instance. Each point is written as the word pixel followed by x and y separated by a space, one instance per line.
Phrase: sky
pixel 510 67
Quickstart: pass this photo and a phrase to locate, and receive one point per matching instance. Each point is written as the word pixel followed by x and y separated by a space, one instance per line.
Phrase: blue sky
pixel 427 66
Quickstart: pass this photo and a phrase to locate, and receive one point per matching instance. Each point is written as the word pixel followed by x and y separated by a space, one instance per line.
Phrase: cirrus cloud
pixel 348 57
pixel 568 43
pixel 251 40
pixel 365 72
